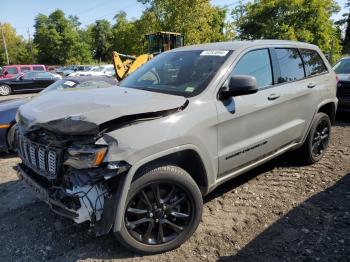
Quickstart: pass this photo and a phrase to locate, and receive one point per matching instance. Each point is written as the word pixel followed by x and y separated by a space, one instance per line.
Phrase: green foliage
pixel 302 20
pixel 19 50
pixel 197 20
pixel 58 40
pixel 61 40
pixel 101 33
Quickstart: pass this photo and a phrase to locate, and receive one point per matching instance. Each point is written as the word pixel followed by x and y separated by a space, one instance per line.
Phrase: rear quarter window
pixel 313 62
pixel 290 65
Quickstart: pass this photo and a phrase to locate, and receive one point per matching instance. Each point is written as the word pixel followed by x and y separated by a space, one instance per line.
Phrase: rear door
pixel 297 94
pixel 43 80
pixel 249 126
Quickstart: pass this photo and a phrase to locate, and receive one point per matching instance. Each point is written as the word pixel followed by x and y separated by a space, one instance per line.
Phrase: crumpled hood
pixel 96 106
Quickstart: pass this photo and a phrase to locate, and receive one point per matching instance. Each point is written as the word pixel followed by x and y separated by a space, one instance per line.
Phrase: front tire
pixel 317 140
pixel 163 209
pixel 5 90
pixel 10 137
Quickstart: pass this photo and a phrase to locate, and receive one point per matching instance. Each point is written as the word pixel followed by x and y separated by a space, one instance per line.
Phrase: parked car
pixel 107 70
pixel 136 160
pixel 27 82
pixel 52 68
pixel 12 70
pixel 9 108
pixel 342 68
pixel 80 70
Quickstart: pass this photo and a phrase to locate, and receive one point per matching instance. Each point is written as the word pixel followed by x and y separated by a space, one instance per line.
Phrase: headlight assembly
pixel 85 156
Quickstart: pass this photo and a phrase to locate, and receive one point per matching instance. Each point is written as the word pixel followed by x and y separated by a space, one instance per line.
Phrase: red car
pixel 11 70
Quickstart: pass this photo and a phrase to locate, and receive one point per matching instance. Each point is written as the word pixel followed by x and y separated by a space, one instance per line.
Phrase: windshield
pixel 60 84
pixel 342 67
pixel 88 84
pixel 184 73
pixel 98 69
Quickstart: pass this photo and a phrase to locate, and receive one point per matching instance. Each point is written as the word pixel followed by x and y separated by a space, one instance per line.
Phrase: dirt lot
pixel 278 212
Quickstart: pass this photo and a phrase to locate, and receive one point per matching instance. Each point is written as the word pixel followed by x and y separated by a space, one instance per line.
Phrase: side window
pixel 25 68
pixel 38 68
pixel 43 75
pixel 30 75
pixel 12 70
pixel 314 64
pixel 290 64
pixel 256 63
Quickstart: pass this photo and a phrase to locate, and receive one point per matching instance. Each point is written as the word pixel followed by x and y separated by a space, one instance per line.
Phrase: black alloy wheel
pixel 320 139
pixel 163 209
pixel 158 213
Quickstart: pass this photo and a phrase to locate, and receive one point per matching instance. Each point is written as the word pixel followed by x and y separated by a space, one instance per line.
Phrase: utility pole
pixel 5 47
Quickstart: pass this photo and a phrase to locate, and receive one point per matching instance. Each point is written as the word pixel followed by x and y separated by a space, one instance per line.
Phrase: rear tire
pixel 317 140
pixel 5 90
pixel 163 209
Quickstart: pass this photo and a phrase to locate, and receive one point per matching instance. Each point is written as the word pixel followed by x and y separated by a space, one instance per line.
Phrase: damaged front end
pixel 66 162
pixel 63 162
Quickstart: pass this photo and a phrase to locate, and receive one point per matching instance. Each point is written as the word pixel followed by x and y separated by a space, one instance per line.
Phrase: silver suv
pixel 137 159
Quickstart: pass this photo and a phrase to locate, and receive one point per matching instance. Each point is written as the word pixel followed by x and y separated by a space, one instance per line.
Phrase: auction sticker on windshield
pixel 214 53
pixel 70 83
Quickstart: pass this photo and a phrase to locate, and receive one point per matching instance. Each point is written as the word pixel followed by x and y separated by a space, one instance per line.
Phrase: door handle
pixel 273 97
pixel 311 85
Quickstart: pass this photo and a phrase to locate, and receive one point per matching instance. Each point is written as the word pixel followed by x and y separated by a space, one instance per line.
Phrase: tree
pixel 197 20
pixel 58 40
pixel 19 50
pixel 101 40
pixel 346 41
pixel 307 20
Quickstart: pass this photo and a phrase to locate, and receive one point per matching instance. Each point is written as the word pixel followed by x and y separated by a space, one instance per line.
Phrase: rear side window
pixel 314 64
pixel 25 68
pixel 38 68
pixel 256 63
pixel 12 70
pixel 290 65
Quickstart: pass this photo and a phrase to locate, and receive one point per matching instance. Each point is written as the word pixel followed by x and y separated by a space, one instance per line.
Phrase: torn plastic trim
pixel 123 121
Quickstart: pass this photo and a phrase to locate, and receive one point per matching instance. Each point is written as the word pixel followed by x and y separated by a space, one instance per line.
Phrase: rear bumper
pixel 43 194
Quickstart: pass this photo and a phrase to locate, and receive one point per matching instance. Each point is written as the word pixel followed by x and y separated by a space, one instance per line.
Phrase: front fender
pixel 122 196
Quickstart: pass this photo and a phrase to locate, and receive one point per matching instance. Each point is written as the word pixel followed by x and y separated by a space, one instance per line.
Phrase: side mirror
pixel 20 78
pixel 238 85
pixel 6 73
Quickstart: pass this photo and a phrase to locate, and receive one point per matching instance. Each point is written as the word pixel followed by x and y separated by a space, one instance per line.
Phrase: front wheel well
pixel 329 109
pixel 190 161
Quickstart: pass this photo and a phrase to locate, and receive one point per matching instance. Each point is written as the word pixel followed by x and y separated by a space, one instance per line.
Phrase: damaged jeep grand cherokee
pixel 136 159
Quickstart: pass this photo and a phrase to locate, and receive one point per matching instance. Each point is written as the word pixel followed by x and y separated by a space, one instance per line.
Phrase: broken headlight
pixel 85 156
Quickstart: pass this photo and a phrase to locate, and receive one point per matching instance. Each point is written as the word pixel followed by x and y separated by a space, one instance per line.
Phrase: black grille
pixel 343 89
pixel 40 158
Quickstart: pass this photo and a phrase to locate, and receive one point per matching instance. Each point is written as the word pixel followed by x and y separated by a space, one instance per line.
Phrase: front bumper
pixel 3 139
pixel 43 193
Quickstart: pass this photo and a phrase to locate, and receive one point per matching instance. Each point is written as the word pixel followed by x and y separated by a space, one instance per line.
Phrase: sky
pixel 21 14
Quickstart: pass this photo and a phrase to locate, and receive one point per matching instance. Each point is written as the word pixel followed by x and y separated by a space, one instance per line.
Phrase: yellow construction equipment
pixel 157 42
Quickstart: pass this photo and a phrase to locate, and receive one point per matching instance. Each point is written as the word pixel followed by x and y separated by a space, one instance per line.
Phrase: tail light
pixel 337 79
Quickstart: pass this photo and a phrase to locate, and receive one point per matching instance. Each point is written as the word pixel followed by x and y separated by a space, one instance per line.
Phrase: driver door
pixel 248 127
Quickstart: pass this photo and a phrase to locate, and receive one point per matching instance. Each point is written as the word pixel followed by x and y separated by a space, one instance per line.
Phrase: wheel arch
pixel 330 109
pixel 181 156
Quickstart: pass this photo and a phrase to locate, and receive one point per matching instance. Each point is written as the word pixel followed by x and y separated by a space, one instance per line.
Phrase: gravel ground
pixel 278 212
